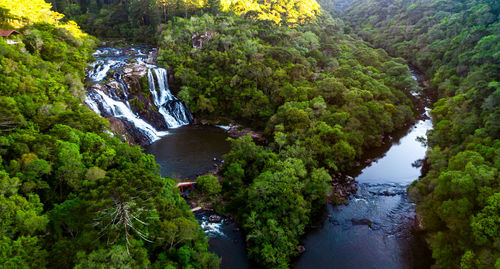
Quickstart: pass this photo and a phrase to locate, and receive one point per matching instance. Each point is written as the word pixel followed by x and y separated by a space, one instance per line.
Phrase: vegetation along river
pixel 187 152
pixel 377 228
pixel 190 151
pixel 374 230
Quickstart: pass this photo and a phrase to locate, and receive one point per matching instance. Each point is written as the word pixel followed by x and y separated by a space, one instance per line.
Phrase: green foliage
pixel 70 194
pixel 455 43
pixel 18 13
pixel 135 20
pixel 116 257
pixel 141 20
pixel 320 97
pixel 290 12
pixel 209 186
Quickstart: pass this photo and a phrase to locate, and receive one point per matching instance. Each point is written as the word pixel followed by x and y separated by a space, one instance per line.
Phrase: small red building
pixel 11 36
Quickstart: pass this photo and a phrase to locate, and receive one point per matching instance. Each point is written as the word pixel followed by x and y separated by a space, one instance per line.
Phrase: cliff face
pixel 129 89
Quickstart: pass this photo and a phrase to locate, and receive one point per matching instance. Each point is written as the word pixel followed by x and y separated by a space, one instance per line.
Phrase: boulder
pixel 135 69
pixel 118 128
pixel 361 222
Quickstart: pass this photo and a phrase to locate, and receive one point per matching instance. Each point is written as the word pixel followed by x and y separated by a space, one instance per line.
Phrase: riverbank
pixel 343 186
pixel 378 227
pixel 233 128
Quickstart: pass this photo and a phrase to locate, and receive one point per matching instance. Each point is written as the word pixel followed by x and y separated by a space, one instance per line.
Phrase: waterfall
pixel 100 69
pixel 121 111
pixel 123 86
pixel 114 100
pixel 95 102
pixel 171 108
pixel 92 104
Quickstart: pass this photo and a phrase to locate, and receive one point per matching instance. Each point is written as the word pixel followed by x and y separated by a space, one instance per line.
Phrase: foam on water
pixel 172 110
pixel 225 127
pixel 122 111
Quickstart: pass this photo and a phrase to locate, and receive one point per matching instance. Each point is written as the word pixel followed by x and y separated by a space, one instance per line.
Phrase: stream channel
pixel 377 228
pixel 190 151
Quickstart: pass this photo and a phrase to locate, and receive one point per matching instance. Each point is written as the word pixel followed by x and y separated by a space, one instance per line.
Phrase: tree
pixel 118 256
pixel 209 186
pixel 122 200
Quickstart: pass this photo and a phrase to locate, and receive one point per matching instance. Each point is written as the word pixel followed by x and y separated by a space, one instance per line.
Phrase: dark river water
pixel 188 151
pixel 376 228
pixel 225 240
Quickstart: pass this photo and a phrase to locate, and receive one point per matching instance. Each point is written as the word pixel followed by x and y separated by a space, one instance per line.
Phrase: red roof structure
pixel 6 33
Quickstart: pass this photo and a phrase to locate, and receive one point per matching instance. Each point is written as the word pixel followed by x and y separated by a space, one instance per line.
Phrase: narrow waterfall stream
pixel 169 106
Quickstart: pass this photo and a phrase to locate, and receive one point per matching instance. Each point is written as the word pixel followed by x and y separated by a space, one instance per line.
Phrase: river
pixel 190 151
pixel 187 152
pixel 376 229
pixel 225 240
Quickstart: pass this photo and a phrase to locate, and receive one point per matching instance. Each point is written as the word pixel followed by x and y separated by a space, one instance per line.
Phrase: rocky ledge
pixel 343 187
pixel 234 129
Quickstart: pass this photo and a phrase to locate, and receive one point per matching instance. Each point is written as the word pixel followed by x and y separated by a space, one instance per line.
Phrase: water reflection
pixel 375 230
pixel 395 166
pixel 189 151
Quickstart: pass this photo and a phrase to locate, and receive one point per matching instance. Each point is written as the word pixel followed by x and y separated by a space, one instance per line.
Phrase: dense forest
pixel 71 195
pixel 320 96
pixel 457 45
pixel 317 83
pixel 141 20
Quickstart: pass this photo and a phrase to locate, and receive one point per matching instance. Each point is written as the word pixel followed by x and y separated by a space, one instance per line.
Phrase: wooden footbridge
pixel 186 185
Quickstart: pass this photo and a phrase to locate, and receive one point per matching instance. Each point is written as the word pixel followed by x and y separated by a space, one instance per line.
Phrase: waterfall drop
pixel 112 73
pixel 171 108
pixel 122 111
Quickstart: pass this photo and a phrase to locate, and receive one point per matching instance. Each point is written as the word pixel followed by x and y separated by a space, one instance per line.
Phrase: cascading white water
pixel 122 111
pixel 171 108
pixel 92 104
pixel 100 69
pixel 111 103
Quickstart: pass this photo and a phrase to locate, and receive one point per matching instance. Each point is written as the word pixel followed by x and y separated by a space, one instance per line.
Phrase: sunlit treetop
pixel 182 4
pixel 24 12
pixel 290 12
